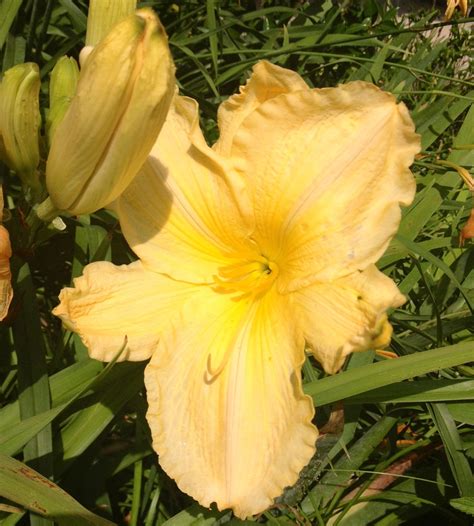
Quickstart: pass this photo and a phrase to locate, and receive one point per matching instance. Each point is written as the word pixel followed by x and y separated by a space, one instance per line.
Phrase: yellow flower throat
pixel 248 277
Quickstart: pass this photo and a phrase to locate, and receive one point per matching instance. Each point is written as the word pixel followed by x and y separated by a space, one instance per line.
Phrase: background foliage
pixel 399 444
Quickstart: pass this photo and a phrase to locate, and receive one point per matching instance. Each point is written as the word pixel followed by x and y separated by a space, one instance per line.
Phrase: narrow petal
pixel 347 315
pixel 6 291
pixel 267 81
pixel 228 416
pixel 181 214
pixel 326 170
pixel 110 305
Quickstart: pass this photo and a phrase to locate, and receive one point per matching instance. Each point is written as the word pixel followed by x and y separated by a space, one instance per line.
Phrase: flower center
pixel 248 277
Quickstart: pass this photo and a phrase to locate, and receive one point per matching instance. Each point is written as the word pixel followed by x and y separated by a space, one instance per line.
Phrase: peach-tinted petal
pixel 327 170
pixel 181 214
pixel 110 305
pixel 467 232
pixel 346 315
pixel 228 417
pixel 6 291
pixel 267 81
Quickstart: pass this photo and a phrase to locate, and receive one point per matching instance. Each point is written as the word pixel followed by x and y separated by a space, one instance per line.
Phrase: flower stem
pixel 45 211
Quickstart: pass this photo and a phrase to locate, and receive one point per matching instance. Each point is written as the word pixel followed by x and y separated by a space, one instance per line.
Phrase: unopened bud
pixel 122 98
pixel 20 120
pixel 104 15
pixel 62 87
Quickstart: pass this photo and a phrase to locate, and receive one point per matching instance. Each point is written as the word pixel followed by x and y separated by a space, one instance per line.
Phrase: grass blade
pixel 368 377
pixel 454 449
pixel 420 391
pixel 8 12
pixel 33 381
pixel 212 27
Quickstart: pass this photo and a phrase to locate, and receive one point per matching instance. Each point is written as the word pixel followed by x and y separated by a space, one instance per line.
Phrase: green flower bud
pixel 122 98
pixel 20 120
pixel 62 87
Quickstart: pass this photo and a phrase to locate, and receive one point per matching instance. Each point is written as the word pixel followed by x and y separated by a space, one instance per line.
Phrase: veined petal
pixel 327 170
pixel 181 214
pixel 110 305
pixel 347 315
pixel 228 416
pixel 267 81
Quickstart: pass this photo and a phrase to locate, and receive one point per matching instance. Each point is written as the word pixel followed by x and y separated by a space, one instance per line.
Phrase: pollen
pixel 247 278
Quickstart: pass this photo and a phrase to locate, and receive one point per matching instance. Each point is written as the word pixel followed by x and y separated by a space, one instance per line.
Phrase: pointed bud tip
pixel 21 73
pixel 152 22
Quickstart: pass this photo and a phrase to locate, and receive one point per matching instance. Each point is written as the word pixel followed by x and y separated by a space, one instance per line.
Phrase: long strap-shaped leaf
pixel 368 377
pixel 26 487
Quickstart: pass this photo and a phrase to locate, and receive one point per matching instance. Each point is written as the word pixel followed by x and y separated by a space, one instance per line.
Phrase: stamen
pixel 249 277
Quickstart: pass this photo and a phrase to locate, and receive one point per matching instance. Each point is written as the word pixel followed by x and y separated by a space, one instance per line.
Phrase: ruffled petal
pixel 267 81
pixel 347 315
pixel 112 305
pixel 228 416
pixel 181 214
pixel 327 170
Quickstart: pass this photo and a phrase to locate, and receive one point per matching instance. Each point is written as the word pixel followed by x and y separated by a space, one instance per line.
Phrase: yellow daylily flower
pixel 247 250
pixel 451 6
pixel 6 291
pixel 123 94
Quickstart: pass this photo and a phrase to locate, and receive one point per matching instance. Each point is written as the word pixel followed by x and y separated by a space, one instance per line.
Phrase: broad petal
pixel 228 416
pixel 347 315
pixel 267 81
pixel 326 171
pixel 181 214
pixel 110 305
